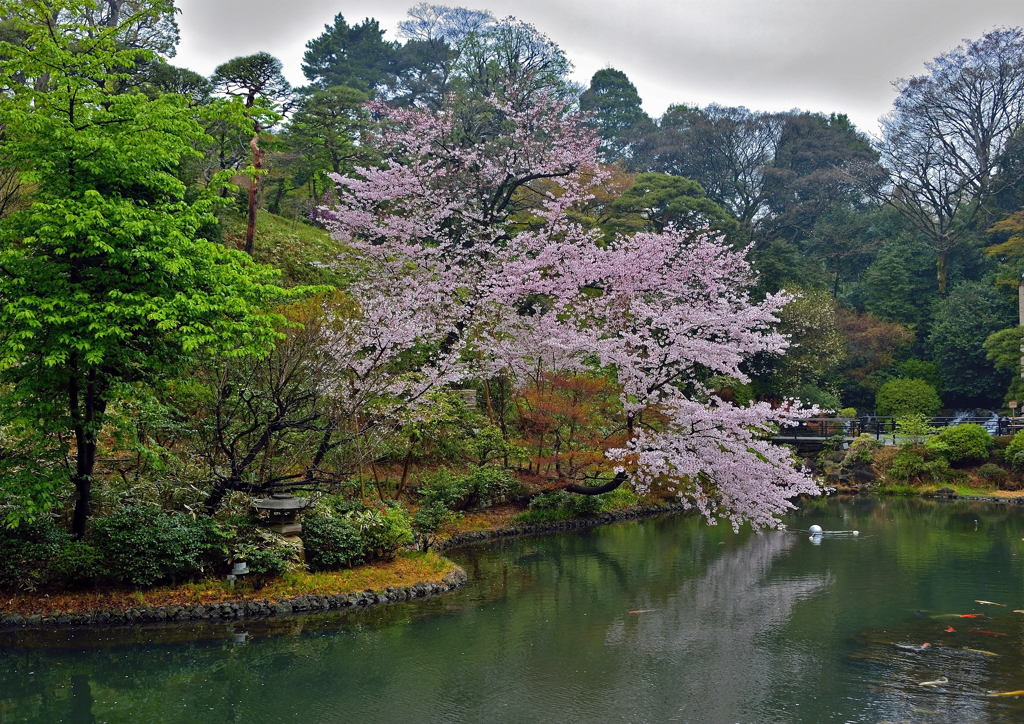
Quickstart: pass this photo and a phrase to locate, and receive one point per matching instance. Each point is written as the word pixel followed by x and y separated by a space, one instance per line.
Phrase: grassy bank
pixel 407 568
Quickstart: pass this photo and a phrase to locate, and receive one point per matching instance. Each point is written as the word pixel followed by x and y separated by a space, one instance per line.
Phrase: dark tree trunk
pixel 85 411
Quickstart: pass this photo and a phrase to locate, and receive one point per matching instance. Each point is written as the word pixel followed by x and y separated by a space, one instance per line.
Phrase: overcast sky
pixel 772 55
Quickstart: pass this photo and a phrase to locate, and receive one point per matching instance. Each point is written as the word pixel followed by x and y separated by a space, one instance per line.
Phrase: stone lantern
pixel 283 508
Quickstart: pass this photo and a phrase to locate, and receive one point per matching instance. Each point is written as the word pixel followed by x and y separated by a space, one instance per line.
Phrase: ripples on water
pixel 661 621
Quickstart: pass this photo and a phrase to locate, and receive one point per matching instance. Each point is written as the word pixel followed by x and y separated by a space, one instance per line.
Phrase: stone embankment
pixel 246 609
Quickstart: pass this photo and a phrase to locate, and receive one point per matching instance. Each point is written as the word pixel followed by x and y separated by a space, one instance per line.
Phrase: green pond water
pixel 667 620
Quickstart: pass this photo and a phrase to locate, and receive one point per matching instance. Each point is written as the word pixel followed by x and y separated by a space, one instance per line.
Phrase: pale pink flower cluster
pixel 441 266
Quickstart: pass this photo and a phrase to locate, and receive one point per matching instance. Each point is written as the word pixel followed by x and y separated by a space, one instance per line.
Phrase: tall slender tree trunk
pixel 254 186
pixel 86 407
pixel 940 269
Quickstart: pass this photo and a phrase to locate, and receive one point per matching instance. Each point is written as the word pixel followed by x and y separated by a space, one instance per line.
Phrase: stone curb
pixel 234 610
pixel 557 526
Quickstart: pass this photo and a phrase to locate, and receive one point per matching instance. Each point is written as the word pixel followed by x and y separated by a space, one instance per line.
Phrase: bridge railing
pixel 881 426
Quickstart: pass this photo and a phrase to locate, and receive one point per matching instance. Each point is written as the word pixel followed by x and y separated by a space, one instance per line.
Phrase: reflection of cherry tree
pixel 715 629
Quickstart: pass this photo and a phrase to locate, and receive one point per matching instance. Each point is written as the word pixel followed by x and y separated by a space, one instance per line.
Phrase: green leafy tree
pixel 104 287
pixel 962 323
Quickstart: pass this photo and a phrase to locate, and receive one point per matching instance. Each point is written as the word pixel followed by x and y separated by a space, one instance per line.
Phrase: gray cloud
pixel 818 55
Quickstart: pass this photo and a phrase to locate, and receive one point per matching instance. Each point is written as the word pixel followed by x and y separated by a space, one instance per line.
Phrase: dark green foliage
pixel 902 397
pixel 142 545
pixel 1015 447
pixel 899 283
pixel 906 466
pixel 656 201
pixel 446 494
pixel 615 105
pixel 331 542
pixel 346 532
pixel 962 443
pixel 861 450
pixel 77 563
pixel 265 562
pixel 352 55
pixel 1017 462
pixel 26 551
pixel 992 473
pixel 962 323
pixel 915 369
pixel 383 528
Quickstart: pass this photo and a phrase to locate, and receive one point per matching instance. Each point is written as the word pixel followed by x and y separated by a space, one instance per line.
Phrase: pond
pixel 667 620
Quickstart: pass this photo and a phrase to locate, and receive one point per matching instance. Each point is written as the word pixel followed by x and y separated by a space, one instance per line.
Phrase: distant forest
pixel 907 249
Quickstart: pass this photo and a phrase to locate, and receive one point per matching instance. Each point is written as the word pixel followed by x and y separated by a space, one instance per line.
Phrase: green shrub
pixel 1015 447
pixel 992 473
pixel 331 541
pixel 77 563
pixel 444 494
pixel 861 450
pixel 542 515
pixel 916 369
pixel 271 562
pixel 969 442
pixel 906 466
pixel 848 412
pixel 903 397
pixel 914 428
pixel 937 471
pixel 26 550
pixel 383 528
pixel 1017 463
pixel 142 545
pixel 620 498
pixel 549 501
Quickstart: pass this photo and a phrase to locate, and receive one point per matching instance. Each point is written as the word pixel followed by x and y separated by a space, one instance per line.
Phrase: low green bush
pixel 962 443
pixel 906 466
pixel 26 551
pixel 384 528
pixel 77 563
pixel 445 494
pixel 331 541
pixel 1017 463
pixel 542 515
pixel 142 545
pixel 619 499
pixel 903 397
pixel 992 473
pixel 848 412
pixel 861 451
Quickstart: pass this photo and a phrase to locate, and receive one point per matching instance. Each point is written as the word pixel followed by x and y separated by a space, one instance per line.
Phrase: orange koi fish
pixel 987 633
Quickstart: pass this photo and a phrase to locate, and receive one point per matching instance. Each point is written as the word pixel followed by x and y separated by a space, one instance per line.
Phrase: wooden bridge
pixel 817 432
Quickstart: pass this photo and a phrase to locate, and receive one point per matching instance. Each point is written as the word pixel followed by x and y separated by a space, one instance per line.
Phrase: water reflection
pixel 661 621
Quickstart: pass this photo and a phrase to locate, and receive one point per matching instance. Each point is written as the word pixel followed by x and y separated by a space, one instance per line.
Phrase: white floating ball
pixel 816 530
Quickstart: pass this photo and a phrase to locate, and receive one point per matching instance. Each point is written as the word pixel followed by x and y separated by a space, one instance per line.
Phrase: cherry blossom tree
pixel 467 233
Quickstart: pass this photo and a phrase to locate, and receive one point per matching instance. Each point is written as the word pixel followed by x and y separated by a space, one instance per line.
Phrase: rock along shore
pixel 246 609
